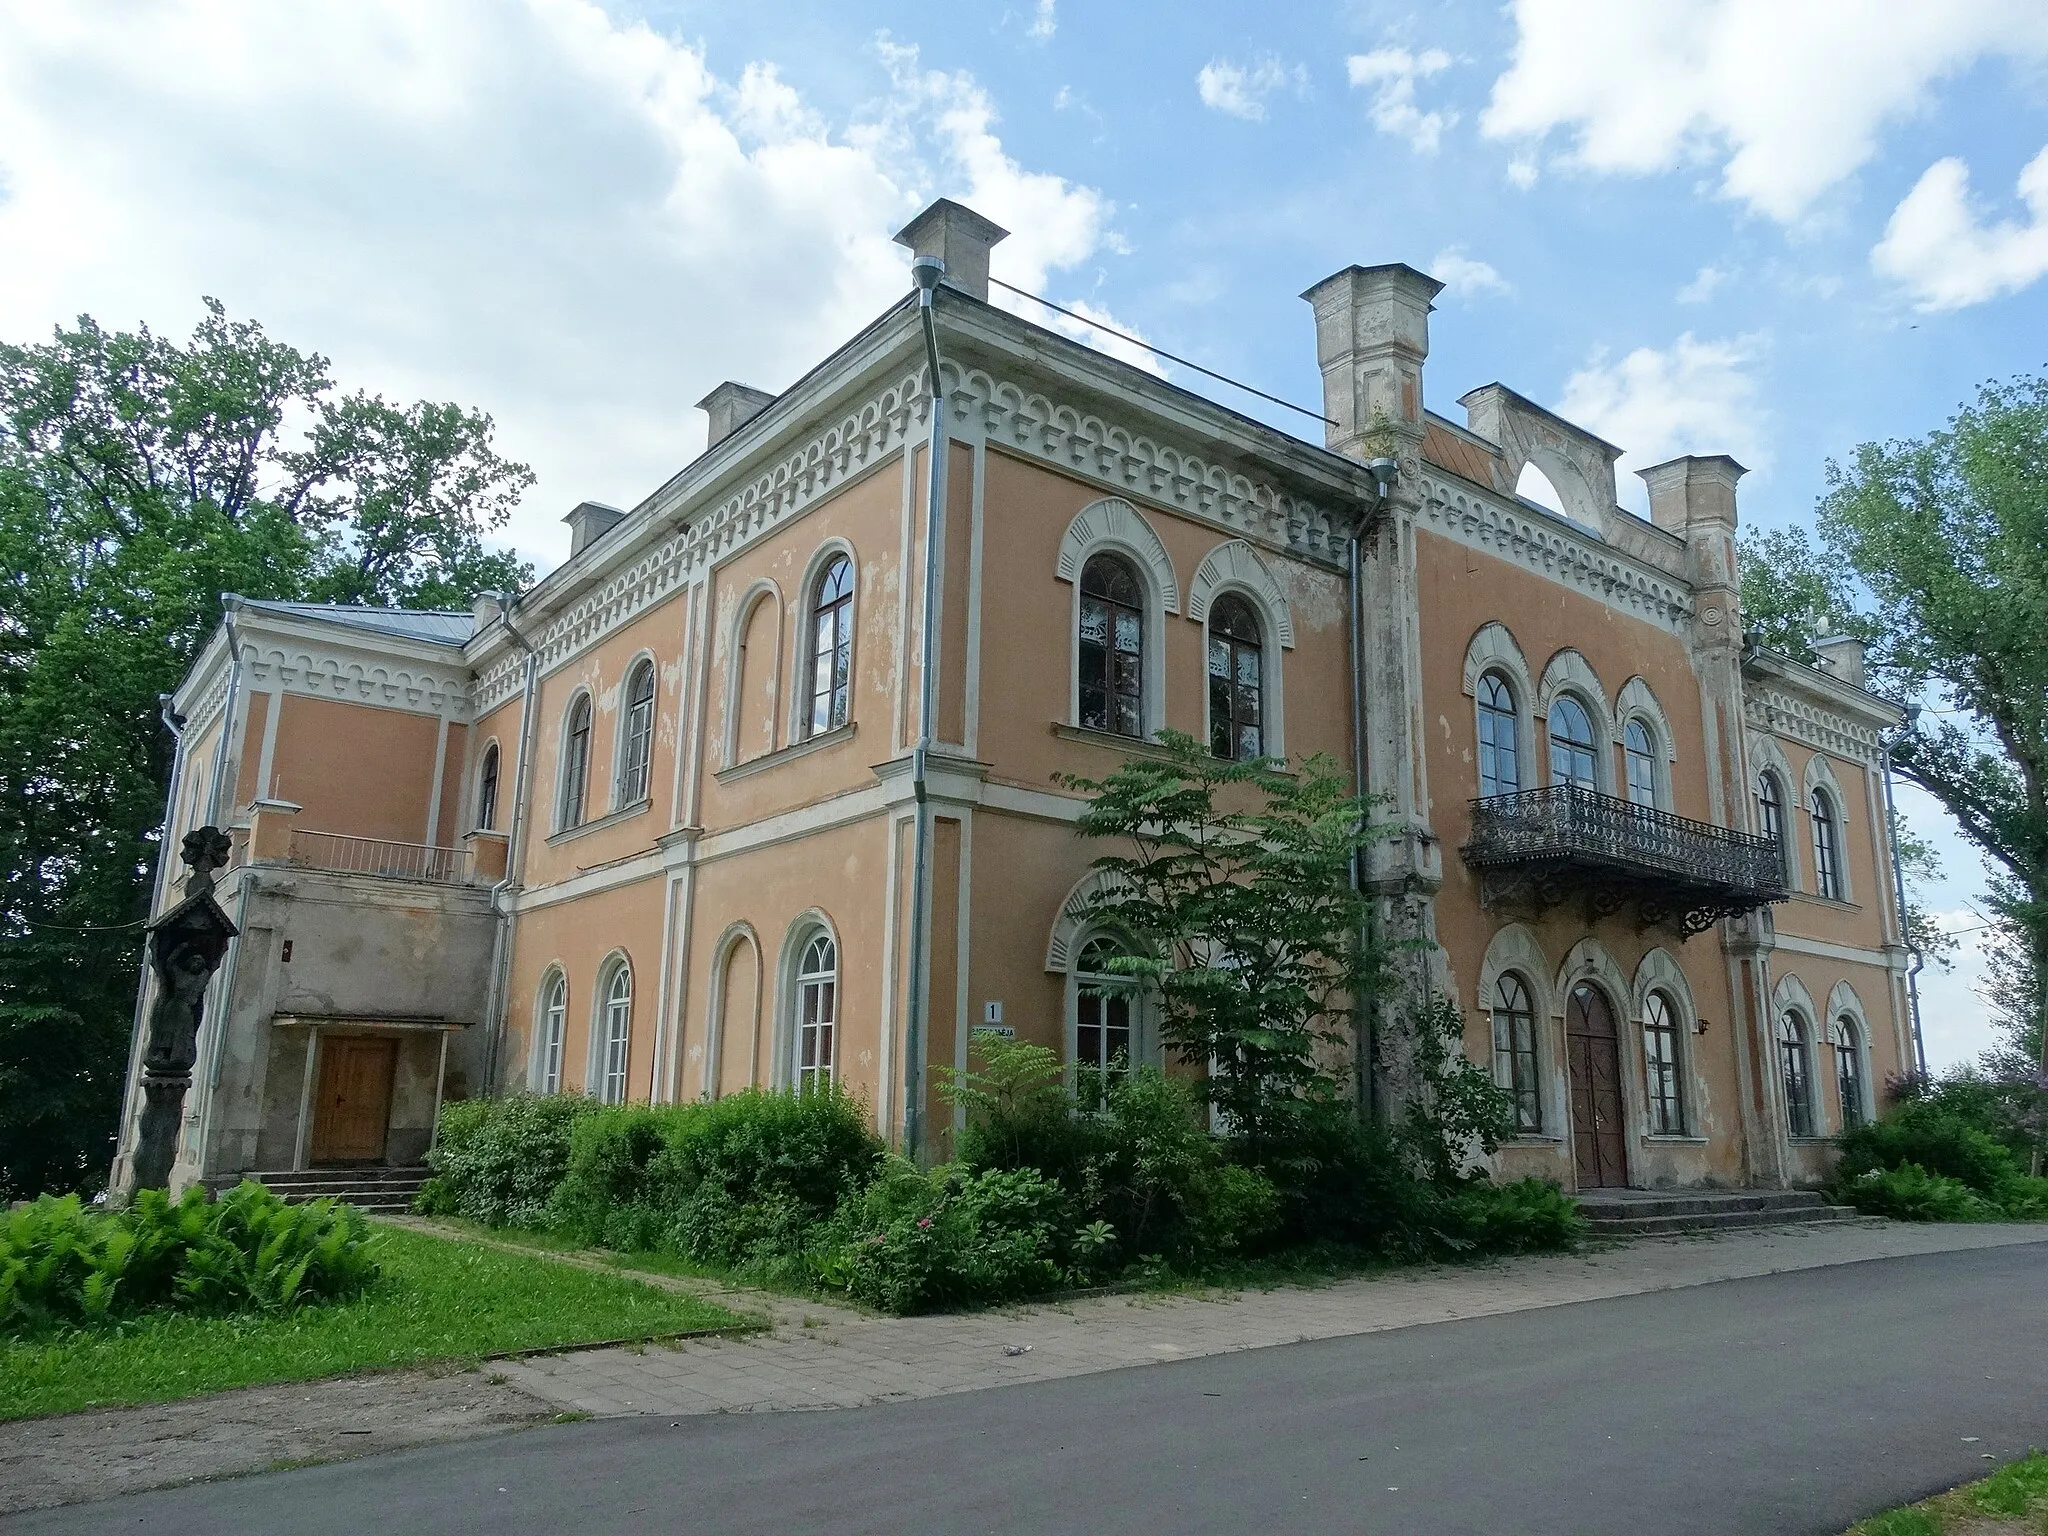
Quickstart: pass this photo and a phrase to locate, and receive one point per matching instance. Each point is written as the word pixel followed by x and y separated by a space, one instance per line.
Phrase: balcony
pixel 339 852
pixel 1546 846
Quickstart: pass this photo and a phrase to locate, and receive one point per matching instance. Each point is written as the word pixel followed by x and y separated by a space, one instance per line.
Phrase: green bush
pixel 1937 1139
pixel 499 1161
pixel 913 1241
pixel 62 1265
pixel 1911 1193
pixel 1341 1181
pixel 1527 1216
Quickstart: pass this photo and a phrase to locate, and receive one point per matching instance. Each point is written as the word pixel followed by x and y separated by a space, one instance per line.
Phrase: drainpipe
pixel 495 1007
pixel 1384 471
pixel 927 270
pixel 1899 890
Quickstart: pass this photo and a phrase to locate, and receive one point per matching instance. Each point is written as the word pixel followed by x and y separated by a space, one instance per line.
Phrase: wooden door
pixel 352 1104
pixel 1593 1051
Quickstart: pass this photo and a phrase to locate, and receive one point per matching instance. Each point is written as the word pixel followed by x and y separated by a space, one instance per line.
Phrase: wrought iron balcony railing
pixel 1548 845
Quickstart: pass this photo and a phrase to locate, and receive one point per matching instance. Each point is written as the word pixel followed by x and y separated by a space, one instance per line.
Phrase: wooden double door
pixel 352 1098
pixel 1593 1059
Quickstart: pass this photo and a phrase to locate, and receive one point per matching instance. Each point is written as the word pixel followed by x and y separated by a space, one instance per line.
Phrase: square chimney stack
pixel 959 237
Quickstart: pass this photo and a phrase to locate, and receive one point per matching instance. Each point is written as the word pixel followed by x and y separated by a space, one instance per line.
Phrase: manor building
pixel 683 817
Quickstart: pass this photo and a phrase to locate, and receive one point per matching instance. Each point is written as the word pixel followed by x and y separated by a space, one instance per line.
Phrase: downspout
pixel 495 1008
pixel 1899 893
pixel 927 270
pixel 1367 1087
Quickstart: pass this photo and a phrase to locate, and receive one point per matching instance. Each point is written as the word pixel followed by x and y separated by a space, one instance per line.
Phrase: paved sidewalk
pixel 820 1356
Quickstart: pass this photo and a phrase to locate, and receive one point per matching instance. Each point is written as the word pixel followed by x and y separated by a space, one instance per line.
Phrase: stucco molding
pixel 1778 712
pixel 353 677
pixel 1236 567
pixel 1820 776
pixel 1637 699
pixel 1790 994
pixel 1659 971
pixel 1515 949
pixel 1590 960
pixel 1568 672
pixel 1493 648
pixel 1113 523
pixel 1076 918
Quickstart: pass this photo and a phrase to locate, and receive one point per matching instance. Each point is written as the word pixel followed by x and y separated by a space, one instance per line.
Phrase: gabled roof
pixel 436 626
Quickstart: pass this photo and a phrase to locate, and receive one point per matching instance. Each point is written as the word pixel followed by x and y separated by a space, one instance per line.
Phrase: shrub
pixel 1935 1138
pixel 62 1265
pixel 498 1161
pixel 913 1242
pixel 1911 1193
pixel 1527 1216
pixel 1340 1180
pixel 1020 1113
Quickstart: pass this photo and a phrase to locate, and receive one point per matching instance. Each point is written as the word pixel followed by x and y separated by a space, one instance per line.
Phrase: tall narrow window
pixel 1848 1070
pixel 1660 1066
pixel 487 790
pixel 831 646
pixel 1770 806
pixel 1236 684
pixel 1639 747
pixel 1500 752
pixel 618 1035
pixel 1827 846
pixel 1112 647
pixel 575 763
pixel 1792 1066
pixel 636 750
pixel 1514 1051
pixel 817 1012
pixel 1571 745
pixel 1103 1046
pixel 554 1025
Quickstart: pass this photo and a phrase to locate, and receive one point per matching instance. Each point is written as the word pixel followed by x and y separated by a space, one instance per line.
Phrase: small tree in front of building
pixel 1243 921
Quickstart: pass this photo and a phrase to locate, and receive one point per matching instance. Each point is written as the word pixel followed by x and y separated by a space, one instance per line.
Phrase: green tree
pixel 1945 540
pixel 1237 901
pixel 141 478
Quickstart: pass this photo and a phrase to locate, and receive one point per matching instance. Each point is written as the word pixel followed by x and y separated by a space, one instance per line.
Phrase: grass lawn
pixel 438 1300
pixel 2013 1499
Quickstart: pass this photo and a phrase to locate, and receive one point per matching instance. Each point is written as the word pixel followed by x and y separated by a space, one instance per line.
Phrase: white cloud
pixel 1044 20
pixel 570 222
pixel 1703 286
pixel 1392 72
pixel 1788 100
pixel 1241 89
pixel 1692 397
pixel 1466 276
pixel 1522 172
pixel 1936 247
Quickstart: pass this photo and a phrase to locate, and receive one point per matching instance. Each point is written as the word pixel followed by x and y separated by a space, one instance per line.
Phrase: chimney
pixel 1694 497
pixel 1372 334
pixel 589 522
pixel 959 237
pixel 730 407
pixel 1693 490
pixel 1841 656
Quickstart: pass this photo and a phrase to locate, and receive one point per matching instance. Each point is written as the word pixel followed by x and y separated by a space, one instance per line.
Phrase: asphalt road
pixel 1788 1404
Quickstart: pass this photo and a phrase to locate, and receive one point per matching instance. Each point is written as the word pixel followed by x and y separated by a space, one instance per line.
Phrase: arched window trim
pixel 1845 1010
pixel 1515 949
pixel 1659 973
pixel 808 927
pixel 1114 569
pixel 763 590
pixel 1637 703
pixel 735 935
pixel 1114 526
pixel 488 787
pixel 1143 1047
pixel 1487 719
pixel 572 765
pixel 1794 1037
pixel 1270 744
pixel 803 637
pixel 1830 867
pixel 1590 749
pixel 550 1031
pixel 1663 1036
pixel 1569 672
pixel 1774 819
pixel 624 766
pixel 1820 778
pixel 609 1069
pixel 1516 1026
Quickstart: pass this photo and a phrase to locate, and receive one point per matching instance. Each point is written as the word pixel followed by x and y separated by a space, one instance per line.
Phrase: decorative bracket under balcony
pixel 1546 846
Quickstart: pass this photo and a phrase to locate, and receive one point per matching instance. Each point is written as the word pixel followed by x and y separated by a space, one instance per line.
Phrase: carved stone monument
pixel 185 948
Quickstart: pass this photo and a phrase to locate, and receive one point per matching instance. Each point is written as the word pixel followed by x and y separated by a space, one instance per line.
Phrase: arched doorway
pixel 1593 1050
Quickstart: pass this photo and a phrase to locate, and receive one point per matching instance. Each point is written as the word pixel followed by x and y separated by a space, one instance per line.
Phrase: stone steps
pixel 1646 1213
pixel 377 1191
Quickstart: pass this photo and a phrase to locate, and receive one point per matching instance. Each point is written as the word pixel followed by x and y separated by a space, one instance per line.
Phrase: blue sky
pixel 1695 225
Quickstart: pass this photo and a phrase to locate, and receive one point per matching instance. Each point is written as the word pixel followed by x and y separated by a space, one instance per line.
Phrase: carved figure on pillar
pixel 186 945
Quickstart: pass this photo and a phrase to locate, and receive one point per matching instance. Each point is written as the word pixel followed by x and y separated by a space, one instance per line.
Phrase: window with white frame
pixel 1236 680
pixel 1111 649
pixel 554 1028
pixel 1500 752
pixel 636 744
pixel 1572 759
pixel 1662 1088
pixel 1514 1051
pixel 831 647
pixel 817 1012
pixel 1639 749
pixel 616 1036
pixel 575 774
pixel 1105 1039
pixel 1849 1072
pixel 1794 1069
pixel 1827 845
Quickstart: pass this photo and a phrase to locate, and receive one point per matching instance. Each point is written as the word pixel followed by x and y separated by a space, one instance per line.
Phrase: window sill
pixel 609 819
pixel 1826 901
pixel 1811 1141
pixel 1651 1139
pixel 1132 746
pixel 790 753
pixel 1534 1139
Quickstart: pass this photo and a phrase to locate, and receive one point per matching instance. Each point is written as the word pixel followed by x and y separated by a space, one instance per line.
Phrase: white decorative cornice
pixel 1575 560
pixel 210 702
pixel 356 676
pixel 1780 712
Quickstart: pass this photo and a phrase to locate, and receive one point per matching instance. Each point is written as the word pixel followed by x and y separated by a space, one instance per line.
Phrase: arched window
pixel 1500 752
pixel 1640 749
pixel 1236 681
pixel 1770 806
pixel 1514 1050
pixel 636 748
pixel 554 1027
pixel 1792 1066
pixel 617 1036
pixel 1112 647
pixel 1847 1042
pixel 1827 846
pixel 817 1012
pixel 1571 745
pixel 487 790
pixel 831 656
pixel 1104 1043
pixel 575 775
pixel 1660 1066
